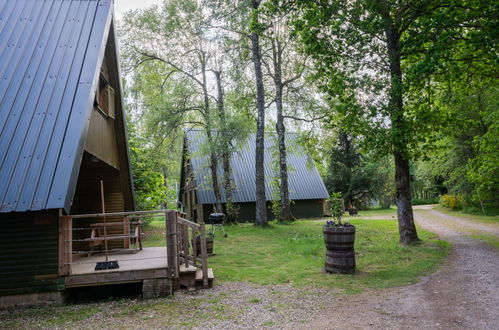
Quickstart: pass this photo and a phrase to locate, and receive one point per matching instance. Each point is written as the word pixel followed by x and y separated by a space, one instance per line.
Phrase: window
pixel 104 98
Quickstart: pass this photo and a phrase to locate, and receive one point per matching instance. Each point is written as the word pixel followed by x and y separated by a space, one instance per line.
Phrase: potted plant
pixel 209 244
pixel 339 238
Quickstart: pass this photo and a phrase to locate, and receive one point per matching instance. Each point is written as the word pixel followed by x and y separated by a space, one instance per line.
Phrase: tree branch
pixel 270 103
pixel 173 65
pixel 305 120
pixel 244 34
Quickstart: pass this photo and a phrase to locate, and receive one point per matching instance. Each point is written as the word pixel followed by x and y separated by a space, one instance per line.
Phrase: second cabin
pixel 306 188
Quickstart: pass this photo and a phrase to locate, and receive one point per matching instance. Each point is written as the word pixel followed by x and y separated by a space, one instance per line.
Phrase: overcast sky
pixel 121 6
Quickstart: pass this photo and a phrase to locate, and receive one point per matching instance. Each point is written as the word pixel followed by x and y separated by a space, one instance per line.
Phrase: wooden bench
pixel 97 238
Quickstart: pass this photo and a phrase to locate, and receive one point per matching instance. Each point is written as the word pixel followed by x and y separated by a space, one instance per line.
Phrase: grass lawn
pixel 487 238
pixel 294 253
pixel 480 218
pixel 154 232
pixel 375 212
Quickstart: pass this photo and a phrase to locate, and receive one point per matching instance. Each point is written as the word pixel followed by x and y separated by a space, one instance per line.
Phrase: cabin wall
pixel 307 208
pixel 101 138
pixel 29 253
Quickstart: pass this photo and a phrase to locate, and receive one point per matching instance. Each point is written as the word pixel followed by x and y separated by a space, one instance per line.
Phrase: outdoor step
pixel 199 275
pixel 187 270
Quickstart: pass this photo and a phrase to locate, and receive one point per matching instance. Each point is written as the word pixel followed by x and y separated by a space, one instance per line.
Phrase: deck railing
pixel 190 232
pixel 179 233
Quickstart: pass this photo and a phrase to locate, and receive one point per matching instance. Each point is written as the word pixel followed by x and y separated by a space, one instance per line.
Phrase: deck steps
pixel 191 277
pixel 187 270
pixel 199 277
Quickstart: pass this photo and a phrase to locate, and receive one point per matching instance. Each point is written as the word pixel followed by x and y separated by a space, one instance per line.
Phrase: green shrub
pixel 425 201
pixel 472 210
pixel 336 206
pixel 453 202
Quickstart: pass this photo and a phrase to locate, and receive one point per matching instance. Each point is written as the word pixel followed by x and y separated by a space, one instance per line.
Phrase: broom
pixel 103 265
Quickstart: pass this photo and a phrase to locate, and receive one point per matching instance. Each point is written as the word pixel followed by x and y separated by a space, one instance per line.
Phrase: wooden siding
pixel 29 253
pixel 189 196
pixel 114 77
pixel 101 139
pixel 307 208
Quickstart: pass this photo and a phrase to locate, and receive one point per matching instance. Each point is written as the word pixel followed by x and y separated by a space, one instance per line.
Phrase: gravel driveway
pixel 464 294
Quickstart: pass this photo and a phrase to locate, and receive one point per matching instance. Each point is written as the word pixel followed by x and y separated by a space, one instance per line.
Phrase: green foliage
pixel 483 170
pixel 352 62
pixel 336 206
pixel 492 218
pixel 359 178
pixel 448 83
pixel 466 159
pixel 171 56
pixel 425 201
pixel 275 206
pixel 453 202
pixel 149 184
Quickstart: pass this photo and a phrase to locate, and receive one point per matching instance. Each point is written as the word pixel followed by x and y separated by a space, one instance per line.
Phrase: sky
pixel 122 6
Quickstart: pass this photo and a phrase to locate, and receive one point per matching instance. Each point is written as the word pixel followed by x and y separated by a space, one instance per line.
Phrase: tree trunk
pixel 407 229
pixel 214 174
pixel 281 133
pixel 261 201
pixel 209 137
pixel 225 140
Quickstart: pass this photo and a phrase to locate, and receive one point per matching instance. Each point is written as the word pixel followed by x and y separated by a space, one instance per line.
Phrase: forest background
pixel 322 70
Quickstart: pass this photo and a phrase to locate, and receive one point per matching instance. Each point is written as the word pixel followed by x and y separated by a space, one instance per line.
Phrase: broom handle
pixel 104 211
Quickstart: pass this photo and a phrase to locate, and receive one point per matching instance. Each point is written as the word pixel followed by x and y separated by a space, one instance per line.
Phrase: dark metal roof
pixel 304 179
pixel 50 56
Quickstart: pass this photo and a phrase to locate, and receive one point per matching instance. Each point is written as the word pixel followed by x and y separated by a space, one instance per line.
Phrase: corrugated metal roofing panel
pixel 50 55
pixel 304 179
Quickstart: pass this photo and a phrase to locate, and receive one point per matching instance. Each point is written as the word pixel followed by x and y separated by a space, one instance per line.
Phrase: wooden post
pixel 194 247
pixel 204 255
pixel 65 245
pixel 171 243
pixel 185 235
pixel 126 231
pixel 104 211
pixel 180 238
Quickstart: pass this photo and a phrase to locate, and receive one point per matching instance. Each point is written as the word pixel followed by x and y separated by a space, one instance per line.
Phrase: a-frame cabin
pixel 62 131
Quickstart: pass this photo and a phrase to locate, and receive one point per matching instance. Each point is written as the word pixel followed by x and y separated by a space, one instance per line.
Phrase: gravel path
pixel 464 294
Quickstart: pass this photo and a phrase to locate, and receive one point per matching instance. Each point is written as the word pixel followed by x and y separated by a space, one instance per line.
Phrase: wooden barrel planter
pixel 209 245
pixel 340 254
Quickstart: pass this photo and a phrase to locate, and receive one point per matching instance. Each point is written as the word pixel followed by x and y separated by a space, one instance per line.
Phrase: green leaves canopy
pixel 349 43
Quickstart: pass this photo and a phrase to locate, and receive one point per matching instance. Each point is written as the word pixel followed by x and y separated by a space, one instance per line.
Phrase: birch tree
pixel 173 35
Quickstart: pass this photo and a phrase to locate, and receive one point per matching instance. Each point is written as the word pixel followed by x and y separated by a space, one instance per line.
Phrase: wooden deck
pixel 150 263
pixel 147 258
pixel 161 270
